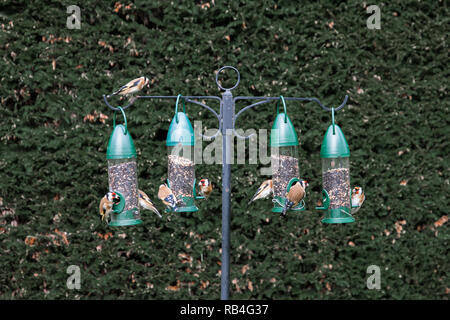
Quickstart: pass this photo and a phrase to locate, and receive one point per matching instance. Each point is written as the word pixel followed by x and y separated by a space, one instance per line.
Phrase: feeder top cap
pixel 120 145
pixel 334 144
pixel 283 132
pixel 180 131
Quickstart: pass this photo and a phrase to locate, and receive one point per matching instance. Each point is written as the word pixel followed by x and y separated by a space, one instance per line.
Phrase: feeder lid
pixel 120 145
pixel 283 132
pixel 334 145
pixel 180 131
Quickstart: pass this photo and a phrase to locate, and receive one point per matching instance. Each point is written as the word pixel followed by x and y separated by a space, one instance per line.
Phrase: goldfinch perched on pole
pixel 358 198
pixel 131 87
pixel 295 195
pixel 167 197
pixel 205 187
pixel 146 203
pixel 106 204
pixel 263 192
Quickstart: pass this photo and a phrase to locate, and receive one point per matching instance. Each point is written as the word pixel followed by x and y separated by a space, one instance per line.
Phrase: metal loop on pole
pixel 237 82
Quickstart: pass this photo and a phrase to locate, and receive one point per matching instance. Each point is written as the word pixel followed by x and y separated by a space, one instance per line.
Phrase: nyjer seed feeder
pixel 122 175
pixel 335 155
pixel 180 144
pixel 284 159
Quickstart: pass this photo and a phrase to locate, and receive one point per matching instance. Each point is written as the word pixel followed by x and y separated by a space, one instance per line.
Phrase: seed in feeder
pixel 284 169
pixel 337 184
pixel 122 175
pixel 181 174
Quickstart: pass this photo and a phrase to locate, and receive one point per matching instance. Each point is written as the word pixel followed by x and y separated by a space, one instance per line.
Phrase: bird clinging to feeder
pixel 295 195
pixel 146 203
pixel 205 187
pixel 358 198
pixel 167 197
pixel 263 192
pixel 106 204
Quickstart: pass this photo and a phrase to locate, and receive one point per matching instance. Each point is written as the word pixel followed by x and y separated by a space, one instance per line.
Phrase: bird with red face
pixel 358 198
pixel 205 187
pixel 106 205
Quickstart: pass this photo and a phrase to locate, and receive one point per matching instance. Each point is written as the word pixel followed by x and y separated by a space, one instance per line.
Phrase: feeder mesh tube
pixel 284 168
pixel 122 175
pixel 181 173
pixel 336 181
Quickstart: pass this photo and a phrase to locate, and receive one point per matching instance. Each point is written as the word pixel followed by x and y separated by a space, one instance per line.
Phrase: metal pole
pixel 227 135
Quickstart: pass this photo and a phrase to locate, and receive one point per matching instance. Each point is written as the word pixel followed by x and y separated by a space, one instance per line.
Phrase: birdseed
pixel 337 184
pixel 181 175
pixel 122 175
pixel 283 173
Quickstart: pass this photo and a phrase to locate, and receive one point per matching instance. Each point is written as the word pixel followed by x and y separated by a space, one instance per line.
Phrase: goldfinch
pixel 131 87
pixel 205 187
pixel 167 197
pixel 263 192
pixel 106 204
pixel 146 203
pixel 295 195
pixel 358 198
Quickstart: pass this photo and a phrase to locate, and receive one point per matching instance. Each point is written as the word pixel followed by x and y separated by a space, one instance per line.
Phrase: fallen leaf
pixel 250 285
pixel 441 221
pixel 30 241
pixel 174 288
pixel 245 268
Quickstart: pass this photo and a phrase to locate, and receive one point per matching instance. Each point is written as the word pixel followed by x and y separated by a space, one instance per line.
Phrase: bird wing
pixel 258 192
pixel 144 196
pixel 296 193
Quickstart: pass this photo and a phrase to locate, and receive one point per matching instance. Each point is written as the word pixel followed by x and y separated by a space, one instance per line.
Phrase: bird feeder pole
pixel 227 121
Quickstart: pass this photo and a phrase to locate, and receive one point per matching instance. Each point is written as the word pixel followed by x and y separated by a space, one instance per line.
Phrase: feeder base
pixel 279 204
pixel 125 218
pixel 338 215
pixel 183 209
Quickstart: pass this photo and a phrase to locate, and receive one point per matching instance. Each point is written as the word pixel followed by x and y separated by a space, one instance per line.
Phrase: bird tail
pixel 288 204
pixel 157 212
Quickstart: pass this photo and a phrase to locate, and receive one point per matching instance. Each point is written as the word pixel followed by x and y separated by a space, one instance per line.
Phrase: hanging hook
pixel 124 118
pixel 332 119
pixel 176 107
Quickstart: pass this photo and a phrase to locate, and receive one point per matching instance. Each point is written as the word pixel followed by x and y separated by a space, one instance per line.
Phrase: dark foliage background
pixel 54 132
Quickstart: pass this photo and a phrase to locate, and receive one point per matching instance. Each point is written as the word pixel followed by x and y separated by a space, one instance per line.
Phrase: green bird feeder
pixel 122 175
pixel 336 191
pixel 284 159
pixel 181 169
